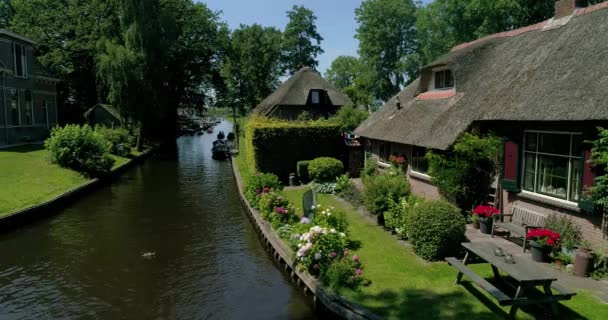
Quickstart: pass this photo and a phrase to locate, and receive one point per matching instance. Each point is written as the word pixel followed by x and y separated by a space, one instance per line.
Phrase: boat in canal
pixel 221 135
pixel 220 150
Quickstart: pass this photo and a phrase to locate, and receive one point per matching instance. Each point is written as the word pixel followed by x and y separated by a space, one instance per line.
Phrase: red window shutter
pixel 510 176
pixel 588 172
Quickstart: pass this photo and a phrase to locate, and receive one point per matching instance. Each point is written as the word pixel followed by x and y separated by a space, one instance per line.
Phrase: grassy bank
pixel 27 178
pixel 404 286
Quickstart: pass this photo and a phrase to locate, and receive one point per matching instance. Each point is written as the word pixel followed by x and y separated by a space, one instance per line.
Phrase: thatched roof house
pixel 306 91
pixel 542 87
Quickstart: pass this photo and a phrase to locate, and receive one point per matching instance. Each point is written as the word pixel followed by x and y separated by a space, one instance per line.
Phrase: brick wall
pixel 592 227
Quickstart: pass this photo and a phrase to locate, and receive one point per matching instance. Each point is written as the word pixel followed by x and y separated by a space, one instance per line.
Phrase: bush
pixel 81 149
pixel 302 170
pixel 346 190
pixel 342 272
pixel 349 118
pixel 570 233
pixel 395 216
pixel 370 169
pixel 119 138
pixel 259 183
pixel 325 169
pixel 435 229
pixel 380 189
pixel 330 218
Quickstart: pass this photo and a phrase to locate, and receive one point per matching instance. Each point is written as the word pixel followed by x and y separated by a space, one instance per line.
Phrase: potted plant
pixel 475 221
pixel 485 216
pixel 541 243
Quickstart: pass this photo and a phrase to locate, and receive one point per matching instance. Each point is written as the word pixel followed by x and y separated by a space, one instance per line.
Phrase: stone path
pixel 599 288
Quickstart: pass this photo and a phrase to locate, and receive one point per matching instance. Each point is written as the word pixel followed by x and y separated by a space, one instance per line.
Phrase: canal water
pixel 168 240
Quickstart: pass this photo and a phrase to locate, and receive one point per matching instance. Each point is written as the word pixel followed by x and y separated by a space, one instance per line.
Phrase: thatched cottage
pixel 542 87
pixel 305 91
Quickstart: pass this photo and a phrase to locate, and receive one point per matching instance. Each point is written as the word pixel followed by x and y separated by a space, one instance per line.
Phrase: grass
pixel 241 161
pixel 404 286
pixel 27 177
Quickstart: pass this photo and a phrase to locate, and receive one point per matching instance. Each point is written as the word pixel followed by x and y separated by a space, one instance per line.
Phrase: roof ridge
pixel 534 27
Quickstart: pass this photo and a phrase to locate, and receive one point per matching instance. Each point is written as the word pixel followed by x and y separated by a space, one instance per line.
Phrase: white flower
pixel 312 208
pixel 342 234
pixel 332 208
pixel 332 230
pixel 299 245
pixel 317 256
pixel 329 214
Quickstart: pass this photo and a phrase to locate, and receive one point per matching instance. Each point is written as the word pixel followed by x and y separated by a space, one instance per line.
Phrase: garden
pixel 69 158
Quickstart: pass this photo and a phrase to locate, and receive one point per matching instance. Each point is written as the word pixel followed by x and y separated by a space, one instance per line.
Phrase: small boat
pixel 221 135
pixel 220 150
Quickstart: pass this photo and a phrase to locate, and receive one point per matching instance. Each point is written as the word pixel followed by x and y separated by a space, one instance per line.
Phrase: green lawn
pixel 27 178
pixel 404 286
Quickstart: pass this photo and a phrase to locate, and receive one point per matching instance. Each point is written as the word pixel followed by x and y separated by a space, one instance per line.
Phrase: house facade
pixel 541 88
pixel 28 105
pixel 306 91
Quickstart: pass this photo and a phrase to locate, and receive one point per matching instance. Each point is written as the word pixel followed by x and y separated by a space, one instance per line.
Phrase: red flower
pixel 485 211
pixel 544 237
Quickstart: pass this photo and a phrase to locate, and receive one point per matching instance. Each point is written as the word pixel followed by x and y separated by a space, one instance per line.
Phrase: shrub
pixel 379 189
pixel 325 169
pixel 318 247
pixel 570 233
pixel 342 272
pixel 370 169
pixel 395 218
pixel 435 229
pixel 81 149
pixel 349 118
pixel 346 190
pixel 257 185
pixel 119 138
pixel 302 170
pixel 330 218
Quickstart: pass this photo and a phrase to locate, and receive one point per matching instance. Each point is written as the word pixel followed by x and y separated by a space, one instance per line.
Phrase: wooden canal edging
pixel 38 211
pixel 282 254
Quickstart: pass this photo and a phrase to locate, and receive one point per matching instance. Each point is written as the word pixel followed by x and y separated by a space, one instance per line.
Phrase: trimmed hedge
pixel 325 169
pixel 380 189
pixel 436 229
pixel 302 170
pixel 276 146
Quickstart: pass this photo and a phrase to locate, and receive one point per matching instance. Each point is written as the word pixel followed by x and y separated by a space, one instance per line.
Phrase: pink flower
pixel 356 258
pixel 346 253
pixel 358 272
pixel 333 254
pixel 316 266
pixel 280 210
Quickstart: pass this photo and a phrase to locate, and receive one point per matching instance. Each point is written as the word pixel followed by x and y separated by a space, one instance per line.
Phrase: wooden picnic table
pixel 526 274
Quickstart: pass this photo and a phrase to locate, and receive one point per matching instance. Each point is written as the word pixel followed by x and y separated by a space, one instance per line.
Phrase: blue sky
pixel 336 20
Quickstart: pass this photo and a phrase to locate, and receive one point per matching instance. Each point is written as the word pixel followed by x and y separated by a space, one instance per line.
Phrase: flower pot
pixel 475 224
pixel 539 252
pixel 582 262
pixel 485 225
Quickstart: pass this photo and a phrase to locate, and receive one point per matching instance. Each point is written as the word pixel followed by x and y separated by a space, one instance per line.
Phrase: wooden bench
pixel 502 298
pixel 522 220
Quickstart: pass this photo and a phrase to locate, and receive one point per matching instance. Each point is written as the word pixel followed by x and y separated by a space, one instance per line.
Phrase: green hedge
pixel 276 146
pixel 325 169
pixel 302 169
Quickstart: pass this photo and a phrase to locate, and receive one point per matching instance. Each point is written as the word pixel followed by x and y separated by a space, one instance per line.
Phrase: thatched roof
pixel 546 72
pixel 295 92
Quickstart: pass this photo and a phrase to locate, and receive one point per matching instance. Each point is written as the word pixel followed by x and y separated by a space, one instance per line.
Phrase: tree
pixel 301 41
pixel 353 77
pixel 349 118
pixel 253 65
pixel 387 39
pixel 6 13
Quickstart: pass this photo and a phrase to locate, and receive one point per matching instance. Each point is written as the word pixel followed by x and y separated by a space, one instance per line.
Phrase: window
pixel 29 108
pixel 419 163
pixel 315 97
pixel 553 164
pixel 20 61
pixel 384 151
pixel 45 113
pixel 444 79
pixel 15 116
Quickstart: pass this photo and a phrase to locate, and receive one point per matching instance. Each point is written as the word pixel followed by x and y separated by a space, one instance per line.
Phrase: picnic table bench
pixel 526 274
pixel 522 220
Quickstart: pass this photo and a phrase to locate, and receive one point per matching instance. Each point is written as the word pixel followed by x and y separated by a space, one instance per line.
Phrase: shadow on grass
pixel 24 148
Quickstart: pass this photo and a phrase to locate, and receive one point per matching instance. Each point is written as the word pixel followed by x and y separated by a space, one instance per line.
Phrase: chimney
pixel 564 8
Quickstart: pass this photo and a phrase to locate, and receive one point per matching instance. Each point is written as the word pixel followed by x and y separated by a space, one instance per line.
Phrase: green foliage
pixel 346 189
pixel 353 77
pixel 561 258
pixel 370 169
pixel 387 39
pixel 329 217
pixel 435 229
pixel 120 139
pixel 276 209
pixel 464 175
pixel 395 218
pixel 349 118
pixel 81 149
pixel 599 153
pixel 600 265
pixel 301 42
pixel 342 273
pixel 325 169
pixel 381 189
pixel 570 232
pixel 260 183
pixel 302 170
pixel 252 67
pixel 275 146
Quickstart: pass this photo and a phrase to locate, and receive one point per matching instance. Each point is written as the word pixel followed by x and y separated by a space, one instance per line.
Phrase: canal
pixel 168 240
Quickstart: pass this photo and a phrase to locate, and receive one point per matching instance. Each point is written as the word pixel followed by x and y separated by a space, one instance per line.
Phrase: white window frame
pixel 537 153
pixel 435 71
pixel 316 93
pixel 23 57
pixel 412 147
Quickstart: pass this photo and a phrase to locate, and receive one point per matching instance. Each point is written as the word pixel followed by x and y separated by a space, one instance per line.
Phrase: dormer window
pixel 20 60
pixel 315 97
pixel 443 79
